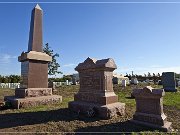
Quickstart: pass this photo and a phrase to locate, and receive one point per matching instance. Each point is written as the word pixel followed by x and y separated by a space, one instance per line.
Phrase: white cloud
pixel 69 65
pixel 6 58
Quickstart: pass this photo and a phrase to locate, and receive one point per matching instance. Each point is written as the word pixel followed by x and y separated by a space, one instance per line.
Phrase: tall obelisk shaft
pixel 35 33
pixel 34 89
pixel 34 63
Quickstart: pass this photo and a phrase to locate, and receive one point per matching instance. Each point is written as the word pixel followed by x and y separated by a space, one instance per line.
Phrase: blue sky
pixel 140 37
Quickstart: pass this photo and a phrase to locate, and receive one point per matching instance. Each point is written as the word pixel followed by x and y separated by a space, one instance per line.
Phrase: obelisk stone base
pixel 32 92
pixel 102 111
pixel 18 103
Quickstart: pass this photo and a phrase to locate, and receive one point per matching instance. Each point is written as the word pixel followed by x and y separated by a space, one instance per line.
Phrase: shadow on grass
pixel 31 118
pixel 130 97
pixel 125 127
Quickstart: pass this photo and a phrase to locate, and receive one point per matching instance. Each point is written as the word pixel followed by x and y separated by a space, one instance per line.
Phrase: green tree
pixel 149 74
pixel 67 77
pixel 177 75
pixel 5 79
pixel 54 65
pixel 1 79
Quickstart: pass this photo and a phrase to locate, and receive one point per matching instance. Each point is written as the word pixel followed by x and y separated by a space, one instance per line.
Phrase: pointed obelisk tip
pixel 38 7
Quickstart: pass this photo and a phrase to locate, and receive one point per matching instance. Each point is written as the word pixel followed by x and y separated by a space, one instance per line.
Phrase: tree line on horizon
pixel 17 78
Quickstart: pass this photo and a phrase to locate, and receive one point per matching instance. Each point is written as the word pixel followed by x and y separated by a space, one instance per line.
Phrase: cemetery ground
pixel 57 117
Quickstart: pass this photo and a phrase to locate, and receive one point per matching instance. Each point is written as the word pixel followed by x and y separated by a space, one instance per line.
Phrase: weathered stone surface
pixel 149 108
pixel 18 103
pixel 103 111
pixel 32 92
pixel 34 74
pixel 169 82
pixel 33 55
pixel 96 88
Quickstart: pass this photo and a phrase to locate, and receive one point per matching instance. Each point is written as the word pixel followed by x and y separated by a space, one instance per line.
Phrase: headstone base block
pixel 32 92
pixel 102 111
pixel 170 90
pixel 18 103
pixel 166 127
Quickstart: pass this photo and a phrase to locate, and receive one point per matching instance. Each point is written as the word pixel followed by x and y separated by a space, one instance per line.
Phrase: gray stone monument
pixel 149 108
pixel 96 89
pixel 169 82
pixel 124 83
pixel 34 89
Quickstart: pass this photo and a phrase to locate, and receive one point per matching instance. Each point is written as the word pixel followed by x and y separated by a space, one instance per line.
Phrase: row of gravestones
pixel 168 81
pixel 10 85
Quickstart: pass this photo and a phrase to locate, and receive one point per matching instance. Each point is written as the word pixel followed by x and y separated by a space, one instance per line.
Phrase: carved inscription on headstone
pixel 24 74
pixel 90 82
pixel 88 98
pixel 152 106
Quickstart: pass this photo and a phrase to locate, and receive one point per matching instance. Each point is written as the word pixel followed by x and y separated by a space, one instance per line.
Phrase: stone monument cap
pixel 92 63
pixel 148 91
pixel 33 55
pixel 38 7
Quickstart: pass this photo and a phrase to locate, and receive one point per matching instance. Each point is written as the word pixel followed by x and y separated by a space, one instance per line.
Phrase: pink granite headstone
pixel 149 108
pixel 96 89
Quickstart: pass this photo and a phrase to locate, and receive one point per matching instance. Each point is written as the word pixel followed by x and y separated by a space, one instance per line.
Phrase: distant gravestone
pixel 75 79
pixel 67 82
pixel 134 81
pixel 169 82
pixel 34 89
pixel 149 108
pixel 96 89
pixel 178 83
pixel 124 83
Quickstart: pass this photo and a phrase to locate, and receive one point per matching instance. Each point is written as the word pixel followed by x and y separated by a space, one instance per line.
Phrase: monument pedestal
pixel 102 111
pixel 18 103
pixel 28 97
pixel 32 92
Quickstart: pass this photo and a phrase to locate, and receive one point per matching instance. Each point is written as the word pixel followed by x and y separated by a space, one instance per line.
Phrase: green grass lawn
pixel 170 98
pixel 57 118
